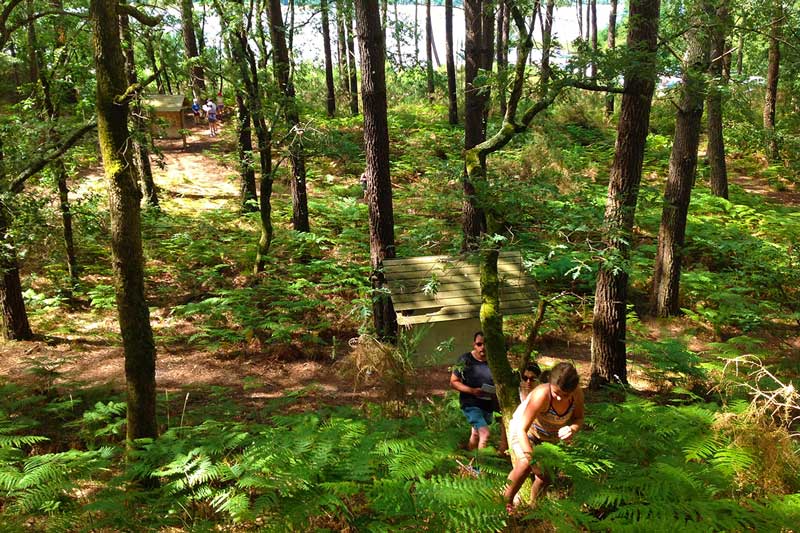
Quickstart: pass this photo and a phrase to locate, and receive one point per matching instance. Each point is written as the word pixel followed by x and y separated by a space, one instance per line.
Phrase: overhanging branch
pixel 140 16
pixel 51 153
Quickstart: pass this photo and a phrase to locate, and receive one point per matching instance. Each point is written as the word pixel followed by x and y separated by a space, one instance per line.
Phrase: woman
pixel 552 412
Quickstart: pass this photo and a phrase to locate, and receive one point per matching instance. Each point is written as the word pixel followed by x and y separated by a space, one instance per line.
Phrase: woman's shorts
pixel 477 417
pixel 515 442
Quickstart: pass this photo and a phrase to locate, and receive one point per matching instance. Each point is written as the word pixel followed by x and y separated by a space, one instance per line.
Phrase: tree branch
pixel 132 90
pixel 141 17
pixel 51 153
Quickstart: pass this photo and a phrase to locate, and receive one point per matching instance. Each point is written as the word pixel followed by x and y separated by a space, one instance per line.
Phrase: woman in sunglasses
pixel 551 412
pixel 529 378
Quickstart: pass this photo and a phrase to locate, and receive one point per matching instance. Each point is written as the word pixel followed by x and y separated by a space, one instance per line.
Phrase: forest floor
pixel 198 178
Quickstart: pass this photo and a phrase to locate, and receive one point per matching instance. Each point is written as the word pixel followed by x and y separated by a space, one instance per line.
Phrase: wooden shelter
pixel 443 294
pixel 168 113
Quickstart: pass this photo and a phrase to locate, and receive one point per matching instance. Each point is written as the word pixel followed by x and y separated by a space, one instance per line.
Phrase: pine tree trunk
pixel 196 73
pixel 416 33
pixel 281 65
pixel 474 221
pixel 547 39
pixel 452 94
pixel 579 8
pixel 773 71
pixel 501 49
pixel 397 32
pixel 593 32
pixel 126 236
pixel 326 41
pixel 716 143
pixel 740 55
pixel 429 48
pixel 341 41
pixel 351 61
pixel 15 324
pixel 151 58
pixel 376 145
pixel 141 139
pixel 612 44
pixel 246 164
pixel 608 328
pixel 682 167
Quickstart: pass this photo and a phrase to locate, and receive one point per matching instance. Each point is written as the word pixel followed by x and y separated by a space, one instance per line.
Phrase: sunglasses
pixel 478 344
pixel 528 378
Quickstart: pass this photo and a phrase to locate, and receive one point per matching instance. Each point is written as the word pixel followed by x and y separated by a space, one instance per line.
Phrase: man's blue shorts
pixel 477 417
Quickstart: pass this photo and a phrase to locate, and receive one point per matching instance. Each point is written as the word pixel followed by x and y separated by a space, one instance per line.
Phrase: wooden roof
pixel 166 103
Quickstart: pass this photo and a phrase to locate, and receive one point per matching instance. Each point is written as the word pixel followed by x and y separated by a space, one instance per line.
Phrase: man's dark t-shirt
pixel 474 373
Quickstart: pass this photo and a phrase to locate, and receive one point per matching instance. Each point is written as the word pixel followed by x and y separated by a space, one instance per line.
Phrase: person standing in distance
pixel 471 377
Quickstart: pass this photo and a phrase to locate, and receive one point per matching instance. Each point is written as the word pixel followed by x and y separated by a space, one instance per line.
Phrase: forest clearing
pixel 204 296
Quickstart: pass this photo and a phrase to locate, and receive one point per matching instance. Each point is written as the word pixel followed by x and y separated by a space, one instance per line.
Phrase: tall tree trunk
pixel 682 166
pixel 376 145
pixel 547 39
pixel 141 139
pixel 341 41
pixel 716 144
pixel 246 164
pixel 416 33
pixel 452 94
pixel 126 236
pixel 773 70
pixel 429 48
pixel 384 11
pixel 351 61
pixel 593 32
pixel 612 44
pixel 397 32
pixel 611 293
pixel 740 55
pixel 196 73
pixel 579 8
pixel 326 41
pixel 501 49
pixel 15 325
pixel 244 58
pixel 487 55
pixel 474 220
pixel 59 169
pixel 201 32
pixel 151 59
pixel 280 59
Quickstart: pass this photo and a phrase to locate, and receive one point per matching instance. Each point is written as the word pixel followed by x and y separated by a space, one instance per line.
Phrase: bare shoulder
pixel 538 397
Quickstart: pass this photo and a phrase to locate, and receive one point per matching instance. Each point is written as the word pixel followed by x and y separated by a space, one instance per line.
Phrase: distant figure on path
pixel 473 380
pixel 196 111
pixel 211 113
pixel 551 412
pixel 220 105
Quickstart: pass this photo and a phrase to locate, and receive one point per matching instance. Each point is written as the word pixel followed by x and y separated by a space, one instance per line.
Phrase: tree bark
pixel 612 44
pixel 141 139
pixel 326 41
pixel 341 41
pixel 429 48
pixel 773 72
pixel 547 39
pixel 376 144
pixel 416 33
pixel 247 171
pixel 351 60
pixel 682 166
pixel 151 58
pixel 452 94
pixel 281 65
pixel 126 236
pixel 501 49
pixel 716 144
pixel 593 32
pixel 15 324
pixel 196 73
pixel 474 220
pixel 611 293
pixel 397 32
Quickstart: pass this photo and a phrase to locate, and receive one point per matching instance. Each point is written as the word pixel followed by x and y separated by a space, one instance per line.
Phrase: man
pixel 473 380
pixel 211 114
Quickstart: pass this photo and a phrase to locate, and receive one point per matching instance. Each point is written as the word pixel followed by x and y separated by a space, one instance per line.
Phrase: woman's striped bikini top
pixel 547 424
